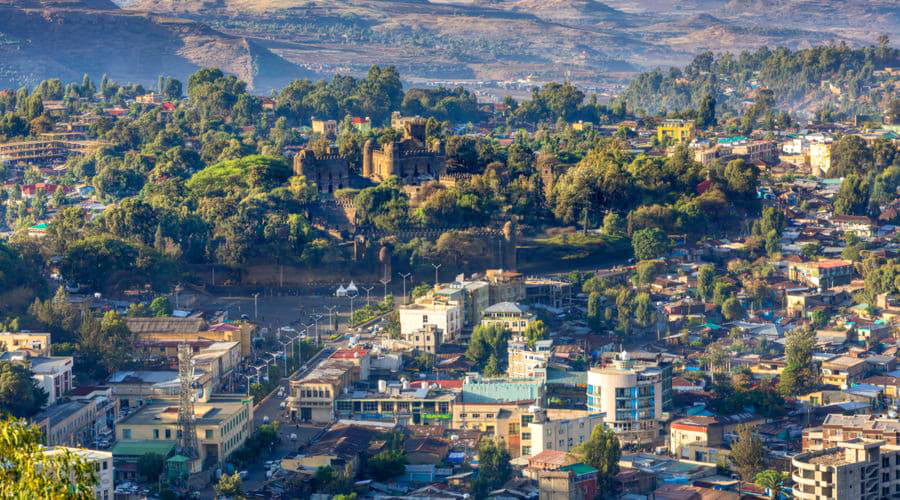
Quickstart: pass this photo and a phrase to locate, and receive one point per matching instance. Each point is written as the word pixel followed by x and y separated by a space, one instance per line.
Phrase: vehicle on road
pixel 266 419
pixel 293 436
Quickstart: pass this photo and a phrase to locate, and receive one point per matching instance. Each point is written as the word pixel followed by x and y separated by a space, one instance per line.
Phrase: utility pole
pixel 256 306
pixel 404 276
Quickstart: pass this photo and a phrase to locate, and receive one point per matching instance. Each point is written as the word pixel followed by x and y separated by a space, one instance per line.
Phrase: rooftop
pixel 57 413
pixel 139 448
pixel 164 325
pixel 213 412
pixel 499 391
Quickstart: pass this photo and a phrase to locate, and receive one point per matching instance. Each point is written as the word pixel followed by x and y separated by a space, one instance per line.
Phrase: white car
pixel 266 420
pixel 293 436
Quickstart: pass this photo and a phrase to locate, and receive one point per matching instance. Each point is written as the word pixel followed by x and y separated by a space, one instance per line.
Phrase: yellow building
pixel 38 344
pixel 820 158
pixel 843 371
pixel 676 131
pixel 324 127
pixel 508 315
pixel 161 336
pixel 223 424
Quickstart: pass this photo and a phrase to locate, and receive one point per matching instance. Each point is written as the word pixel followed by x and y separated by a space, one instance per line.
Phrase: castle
pixel 330 172
pixel 409 158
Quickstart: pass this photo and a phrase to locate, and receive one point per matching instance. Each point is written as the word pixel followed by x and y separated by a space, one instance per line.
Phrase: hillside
pixel 42 39
pixel 586 41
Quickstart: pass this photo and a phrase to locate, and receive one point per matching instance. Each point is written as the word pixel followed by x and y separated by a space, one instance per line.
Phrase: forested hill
pixel 827 77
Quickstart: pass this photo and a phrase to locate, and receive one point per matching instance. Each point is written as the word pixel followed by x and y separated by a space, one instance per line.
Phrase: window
pixel 155 433
pixel 126 433
pixel 105 465
pixel 168 433
pixel 526 435
pixel 208 434
pixel 476 415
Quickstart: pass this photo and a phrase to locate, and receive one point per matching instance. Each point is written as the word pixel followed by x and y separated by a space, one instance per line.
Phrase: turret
pixel 367 158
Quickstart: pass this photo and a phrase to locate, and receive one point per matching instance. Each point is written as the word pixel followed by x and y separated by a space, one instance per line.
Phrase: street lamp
pixel 256 306
pixel 178 288
pixel 404 276
pixel 351 292
pixel 385 282
pixel 330 310
pixel 436 267
pixel 367 290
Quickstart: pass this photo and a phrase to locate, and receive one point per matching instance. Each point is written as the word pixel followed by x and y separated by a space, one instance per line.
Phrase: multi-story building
pixel 676 131
pixel 223 424
pixel 499 408
pixel 161 336
pixel 855 469
pixel 52 373
pixel 527 363
pixel 842 371
pixel 325 127
pixel 548 291
pixel 561 430
pixel 756 150
pixel 508 315
pixel 839 428
pixel 313 395
pixel 68 424
pixel 411 158
pixel 633 395
pixel 505 286
pixel 398 403
pixel 134 388
pixel 37 344
pixel 697 438
pixel 822 273
pixel 427 338
pixel 447 315
pixel 101 461
pixel 473 296
pixel 820 158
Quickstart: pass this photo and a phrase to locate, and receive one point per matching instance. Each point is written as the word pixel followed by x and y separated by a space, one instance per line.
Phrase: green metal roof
pixel 492 392
pixel 564 377
pixel 580 469
pixel 138 448
pixel 728 140
pixel 179 459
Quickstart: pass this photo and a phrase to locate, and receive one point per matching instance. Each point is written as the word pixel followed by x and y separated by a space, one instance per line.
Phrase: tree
pixel 494 468
pixel 492 367
pixel 706 114
pixel 28 472
pixel 732 309
pixel 853 196
pixel 613 225
pixel 161 306
pixel 387 464
pixel 535 331
pixel 800 373
pixel 706 279
pixel 772 481
pixel 649 243
pixel 20 394
pixel 230 486
pixel 150 466
pixel 747 453
pixel 602 452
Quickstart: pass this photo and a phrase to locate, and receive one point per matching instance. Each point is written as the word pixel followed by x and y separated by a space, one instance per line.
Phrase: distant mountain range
pixel 268 42
pixel 65 39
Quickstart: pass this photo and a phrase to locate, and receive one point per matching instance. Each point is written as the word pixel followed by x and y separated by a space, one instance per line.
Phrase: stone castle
pixel 330 172
pixel 410 159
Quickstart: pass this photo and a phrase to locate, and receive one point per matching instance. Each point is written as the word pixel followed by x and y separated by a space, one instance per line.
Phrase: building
pixel 822 273
pixel 820 158
pixel 676 131
pixel 223 424
pixel 161 336
pixel 362 125
pixel 564 431
pixel 126 455
pixel 330 171
pixel 410 159
pixel 325 127
pixel 68 424
pixel 527 363
pixel 36 344
pixel 569 482
pixel 220 360
pixel 855 469
pixel 505 286
pixel 52 373
pixel 632 395
pixel 843 371
pixel 860 225
pixel 426 339
pixel 766 151
pixel 361 359
pixel 474 297
pixel 313 395
pixel 549 292
pixel 446 315
pixel 134 387
pixel 501 409
pixel 839 428
pixel 102 462
pixel 697 438
pixel 508 315
pixel 398 403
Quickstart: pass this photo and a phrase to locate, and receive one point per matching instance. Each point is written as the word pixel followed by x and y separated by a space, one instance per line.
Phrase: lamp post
pixel 307 332
pixel 178 288
pixel 436 267
pixel 316 318
pixel 367 290
pixel 404 276
pixel 256 306
pixel 385 282
pixel 352 292
pixel 330 310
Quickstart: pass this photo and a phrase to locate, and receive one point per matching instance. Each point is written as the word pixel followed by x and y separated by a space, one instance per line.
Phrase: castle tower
pixel 367 158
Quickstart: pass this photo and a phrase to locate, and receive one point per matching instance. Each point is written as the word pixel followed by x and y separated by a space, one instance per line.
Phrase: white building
pixel 446 315
pixel 53 373
pixel 103 468
pixel 633 395
pixel 561 434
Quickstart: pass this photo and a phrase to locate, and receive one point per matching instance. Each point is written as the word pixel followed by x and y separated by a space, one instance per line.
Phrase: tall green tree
pixel 20 394
pixel 800 372
pixel 650 243
pixel 494 468
pixel 748 453
pixel 602 452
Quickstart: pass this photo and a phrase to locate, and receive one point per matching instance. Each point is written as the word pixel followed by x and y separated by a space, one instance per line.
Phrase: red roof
pixel 349 353
pixel 703 186
pixel 359 121
pixel 168 106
